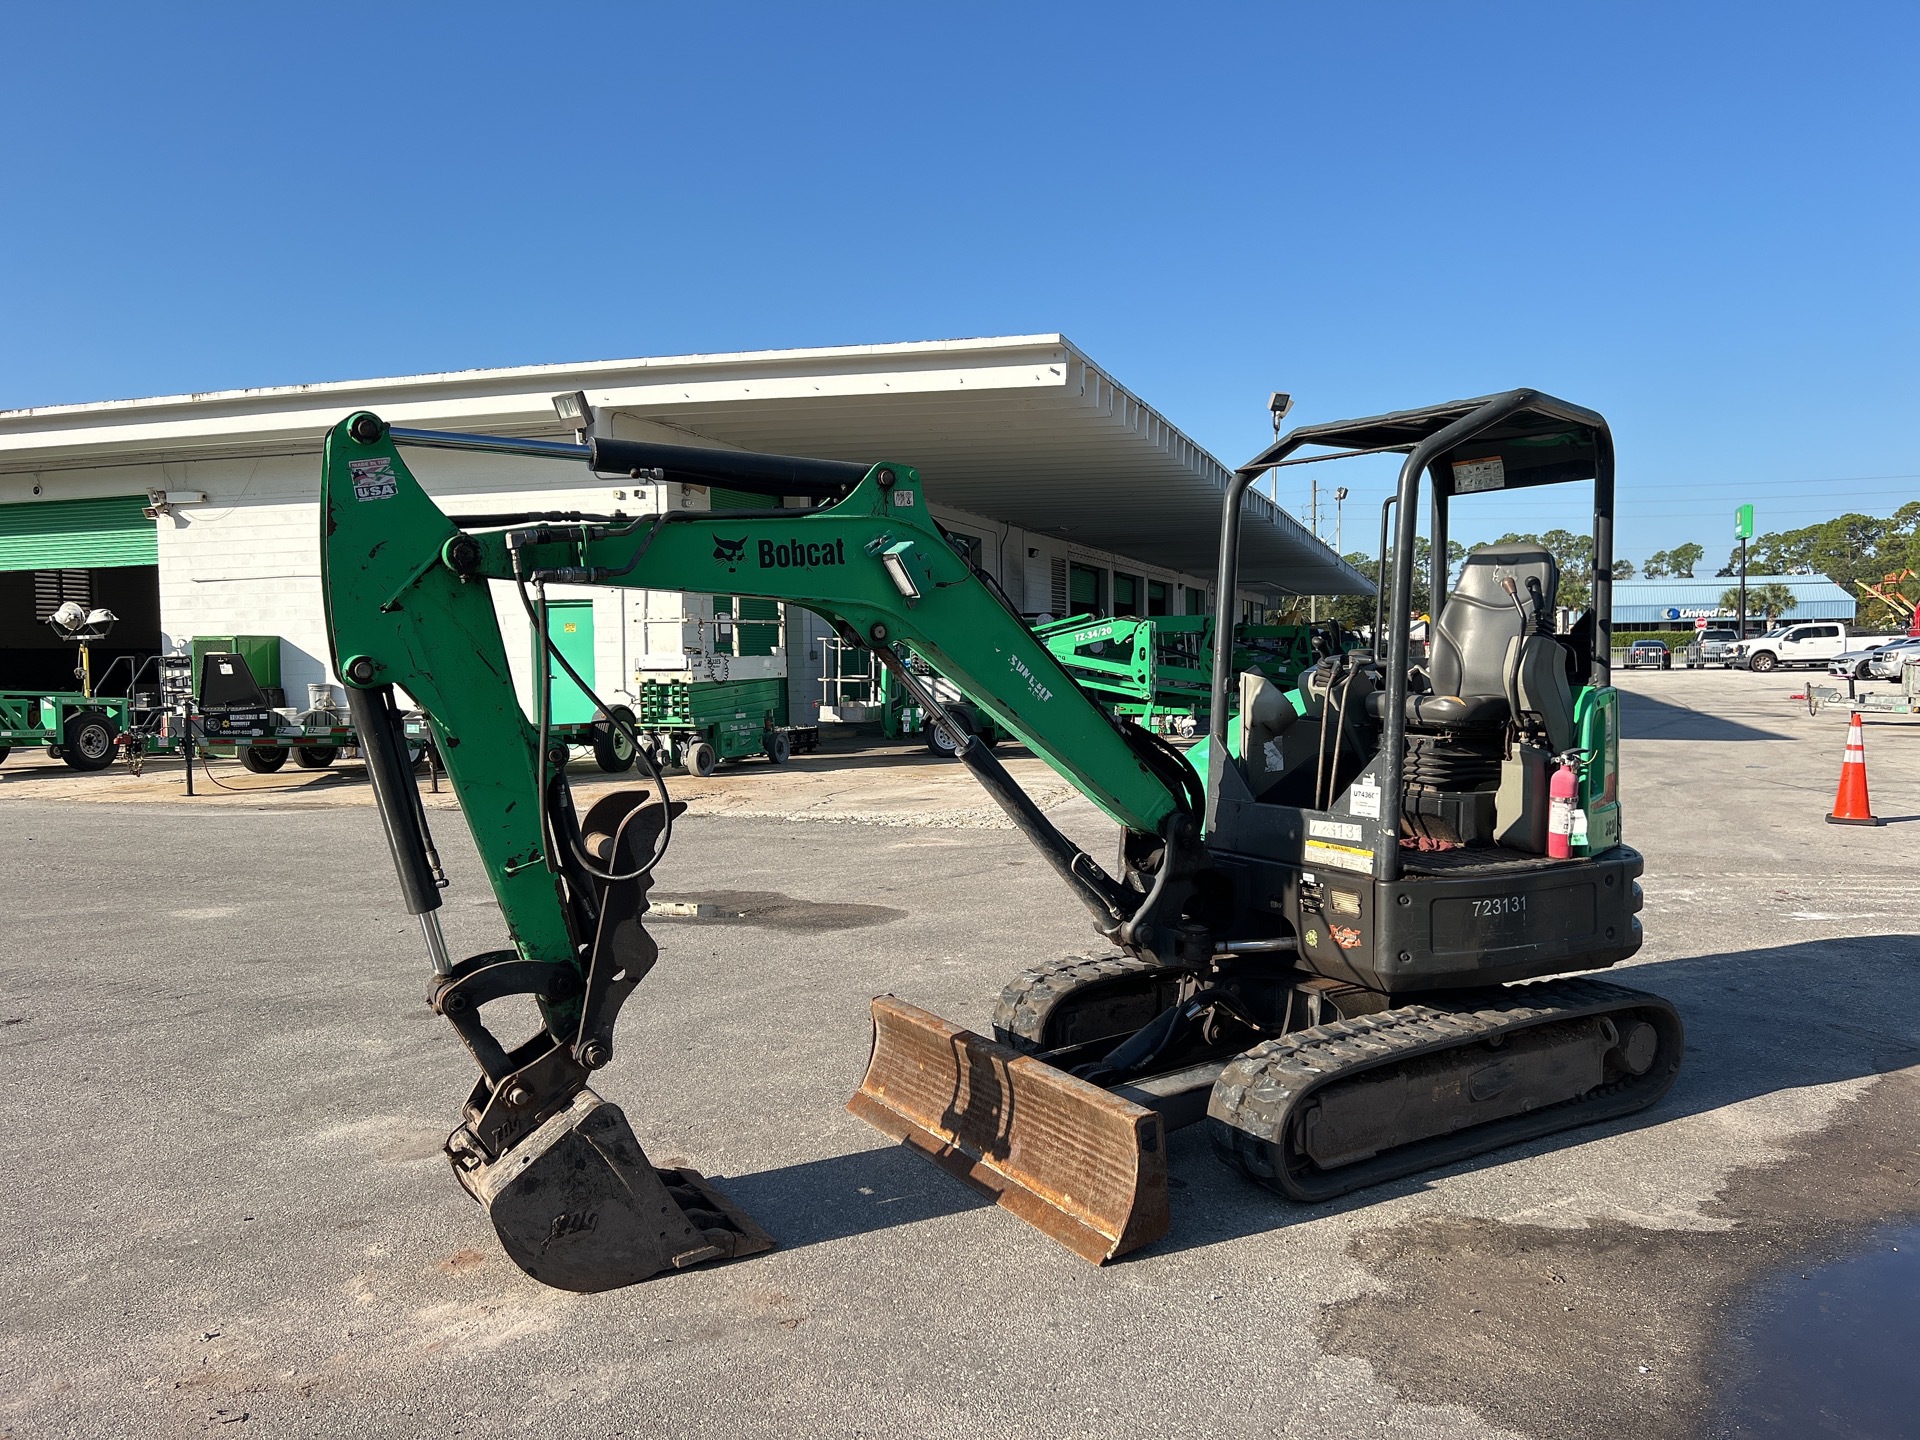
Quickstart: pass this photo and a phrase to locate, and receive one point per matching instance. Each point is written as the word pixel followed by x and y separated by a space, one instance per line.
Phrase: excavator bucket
pixel 578 1207
pixel 1087 1168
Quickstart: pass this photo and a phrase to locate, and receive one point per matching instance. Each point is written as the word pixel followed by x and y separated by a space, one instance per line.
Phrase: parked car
pixel 1856 662
pixel 1711 647
pixel 1886 661
pixel 1648 655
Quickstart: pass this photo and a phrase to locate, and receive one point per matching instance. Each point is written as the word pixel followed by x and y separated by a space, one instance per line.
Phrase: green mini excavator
pixel 1324 937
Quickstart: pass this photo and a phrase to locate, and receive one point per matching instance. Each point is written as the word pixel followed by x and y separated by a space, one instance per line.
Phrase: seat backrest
pixel 1468 655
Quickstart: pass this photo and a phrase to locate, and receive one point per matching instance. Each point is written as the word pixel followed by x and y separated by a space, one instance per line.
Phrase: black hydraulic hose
pixel 377 723
pixel 1169 766
pixel 1159 1035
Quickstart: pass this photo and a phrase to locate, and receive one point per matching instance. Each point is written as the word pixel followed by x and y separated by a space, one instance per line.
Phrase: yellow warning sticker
pixel 1340 857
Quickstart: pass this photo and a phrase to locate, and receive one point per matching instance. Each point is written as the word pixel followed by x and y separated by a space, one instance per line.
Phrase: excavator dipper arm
pixel 409 608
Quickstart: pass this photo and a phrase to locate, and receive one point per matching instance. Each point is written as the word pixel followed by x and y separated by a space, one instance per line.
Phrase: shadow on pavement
pixel 1753 1029
pixel 847 1195
pixel 1644 718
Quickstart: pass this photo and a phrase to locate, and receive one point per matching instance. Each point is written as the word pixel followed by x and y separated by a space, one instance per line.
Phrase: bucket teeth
pixel 577 1205
pixel 1083 1166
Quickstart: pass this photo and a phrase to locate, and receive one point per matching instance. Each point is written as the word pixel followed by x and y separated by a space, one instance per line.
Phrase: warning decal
pixel 1472 475
pixel 1340 857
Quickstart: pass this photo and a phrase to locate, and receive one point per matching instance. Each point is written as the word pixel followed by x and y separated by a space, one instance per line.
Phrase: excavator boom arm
pixel 408 605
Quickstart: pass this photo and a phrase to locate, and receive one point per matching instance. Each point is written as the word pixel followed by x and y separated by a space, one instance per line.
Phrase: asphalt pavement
pixel 228 1212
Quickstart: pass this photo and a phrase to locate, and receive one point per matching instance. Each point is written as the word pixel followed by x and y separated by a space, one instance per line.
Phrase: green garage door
pixel 78 534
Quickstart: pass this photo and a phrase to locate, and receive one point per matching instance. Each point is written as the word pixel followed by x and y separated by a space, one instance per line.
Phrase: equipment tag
pixel 903 498
pixel 1579 827
pixel 1335 830
pixel 373 479
pixel 1340 857
pixel 1474 475
pixel 1364 797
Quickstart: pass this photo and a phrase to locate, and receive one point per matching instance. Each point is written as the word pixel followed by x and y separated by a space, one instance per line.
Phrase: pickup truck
pixel 1813 643
pixel 1711 647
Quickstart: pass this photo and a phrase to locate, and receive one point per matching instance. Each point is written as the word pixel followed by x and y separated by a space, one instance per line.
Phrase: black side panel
pixel 1483 924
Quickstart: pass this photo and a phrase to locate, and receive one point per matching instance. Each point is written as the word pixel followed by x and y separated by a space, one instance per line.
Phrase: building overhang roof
pixel 1022 430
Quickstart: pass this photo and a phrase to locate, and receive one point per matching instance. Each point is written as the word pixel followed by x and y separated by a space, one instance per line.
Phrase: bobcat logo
pixel 729 552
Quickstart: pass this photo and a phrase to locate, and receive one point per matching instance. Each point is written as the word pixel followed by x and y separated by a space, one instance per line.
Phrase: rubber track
pixel 1260 1092
pixel 1030 998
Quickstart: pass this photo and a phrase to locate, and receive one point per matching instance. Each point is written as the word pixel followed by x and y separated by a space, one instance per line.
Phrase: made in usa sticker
pixel 373 479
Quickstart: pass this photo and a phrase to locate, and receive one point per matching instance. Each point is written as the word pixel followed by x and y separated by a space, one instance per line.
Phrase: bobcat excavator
pixel 1316 935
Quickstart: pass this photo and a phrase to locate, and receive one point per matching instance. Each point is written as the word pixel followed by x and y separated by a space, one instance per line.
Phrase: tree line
pixel 1852 550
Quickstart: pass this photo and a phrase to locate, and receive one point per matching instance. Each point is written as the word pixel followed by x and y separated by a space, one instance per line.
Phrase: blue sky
pixel 1700 220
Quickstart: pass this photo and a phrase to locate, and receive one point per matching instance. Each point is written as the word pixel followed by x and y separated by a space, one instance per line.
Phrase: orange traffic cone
pixel 1850 806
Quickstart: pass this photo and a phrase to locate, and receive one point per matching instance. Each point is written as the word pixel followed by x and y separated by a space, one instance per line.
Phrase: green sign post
pixel 1743 532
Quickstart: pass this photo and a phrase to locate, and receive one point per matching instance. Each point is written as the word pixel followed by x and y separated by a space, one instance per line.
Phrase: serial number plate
pixel 1505 922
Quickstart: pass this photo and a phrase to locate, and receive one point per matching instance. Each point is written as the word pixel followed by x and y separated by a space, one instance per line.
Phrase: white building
pixel 1076 493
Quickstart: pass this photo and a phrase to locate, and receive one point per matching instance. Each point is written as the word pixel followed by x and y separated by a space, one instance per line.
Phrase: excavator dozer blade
pixel 578 1207
pixel 1084 1166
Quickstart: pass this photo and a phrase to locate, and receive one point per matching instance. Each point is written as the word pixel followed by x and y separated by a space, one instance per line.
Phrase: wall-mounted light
pixel 161 502
pixel 573 410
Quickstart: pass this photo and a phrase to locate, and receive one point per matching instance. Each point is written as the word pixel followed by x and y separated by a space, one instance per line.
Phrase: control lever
pixel 1513 594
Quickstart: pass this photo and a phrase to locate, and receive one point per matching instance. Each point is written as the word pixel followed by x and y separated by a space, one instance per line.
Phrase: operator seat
pixel 1487 663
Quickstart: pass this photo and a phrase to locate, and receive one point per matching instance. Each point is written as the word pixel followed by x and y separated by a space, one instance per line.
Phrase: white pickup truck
pixel 1813 643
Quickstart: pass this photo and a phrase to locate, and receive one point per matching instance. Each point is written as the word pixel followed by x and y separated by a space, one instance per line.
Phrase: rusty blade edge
pixel 1006 1192
pixel 1095 1234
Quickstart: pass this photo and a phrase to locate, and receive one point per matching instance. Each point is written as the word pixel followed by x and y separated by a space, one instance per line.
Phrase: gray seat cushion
pixel 1447 712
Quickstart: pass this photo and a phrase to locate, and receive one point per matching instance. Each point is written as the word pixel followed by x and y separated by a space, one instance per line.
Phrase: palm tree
pixel 1771 600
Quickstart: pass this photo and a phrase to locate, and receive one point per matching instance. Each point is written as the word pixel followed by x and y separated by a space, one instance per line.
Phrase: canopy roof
pixel 1023 430
pixel 1545 442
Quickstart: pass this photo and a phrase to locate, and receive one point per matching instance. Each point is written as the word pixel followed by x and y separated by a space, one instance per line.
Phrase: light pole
pixel 1339 496
pixel 1278 404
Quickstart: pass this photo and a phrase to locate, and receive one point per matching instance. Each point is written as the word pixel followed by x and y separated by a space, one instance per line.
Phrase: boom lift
pixel 1312 950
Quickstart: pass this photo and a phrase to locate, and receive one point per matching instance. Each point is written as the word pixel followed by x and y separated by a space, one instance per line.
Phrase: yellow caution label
pixel 1340 857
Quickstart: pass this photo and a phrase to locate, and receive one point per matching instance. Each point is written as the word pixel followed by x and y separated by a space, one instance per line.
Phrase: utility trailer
pixel 1904 701
pixel 83 730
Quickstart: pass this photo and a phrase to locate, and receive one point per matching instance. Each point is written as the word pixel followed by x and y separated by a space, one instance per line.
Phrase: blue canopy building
pixel 1675 604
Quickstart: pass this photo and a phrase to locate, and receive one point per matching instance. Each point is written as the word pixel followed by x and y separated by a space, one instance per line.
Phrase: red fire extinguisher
pixel 1561 794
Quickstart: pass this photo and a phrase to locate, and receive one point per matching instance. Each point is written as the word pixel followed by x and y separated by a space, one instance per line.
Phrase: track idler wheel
pixel 577 1205
pixel 1082 1003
